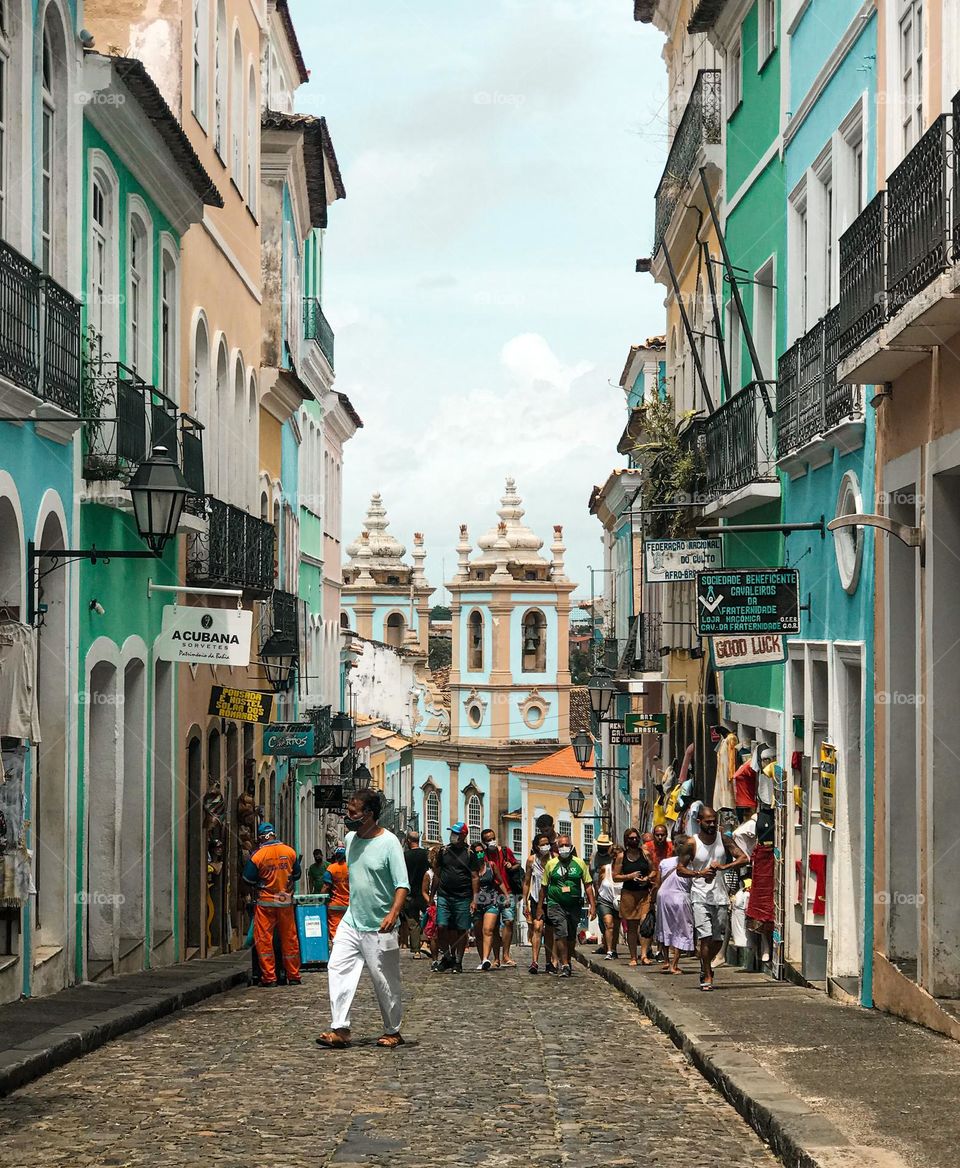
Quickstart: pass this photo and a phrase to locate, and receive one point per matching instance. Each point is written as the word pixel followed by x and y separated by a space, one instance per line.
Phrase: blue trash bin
pixel 312 929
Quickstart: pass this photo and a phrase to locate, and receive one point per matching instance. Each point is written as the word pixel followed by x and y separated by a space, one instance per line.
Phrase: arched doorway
pixel 102 767
pixel 215 847
pixel 196 879
pixel 133 809
pixel 161 844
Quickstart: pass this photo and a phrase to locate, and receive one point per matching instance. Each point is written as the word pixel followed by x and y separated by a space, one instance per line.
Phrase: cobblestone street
pixel 500 1069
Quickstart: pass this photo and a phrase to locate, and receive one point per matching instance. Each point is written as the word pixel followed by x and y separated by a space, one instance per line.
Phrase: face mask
pixel 602 849
pixel 633 843
pixel 565 852
pixel 351 824
pixel 544 849
pixel 491 845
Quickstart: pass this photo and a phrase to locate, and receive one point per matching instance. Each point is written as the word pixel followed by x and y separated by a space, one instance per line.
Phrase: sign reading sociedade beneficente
pixel 734 602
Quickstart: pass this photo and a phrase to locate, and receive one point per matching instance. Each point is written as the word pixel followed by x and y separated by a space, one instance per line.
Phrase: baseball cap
pixel 266 829
pixel 459 828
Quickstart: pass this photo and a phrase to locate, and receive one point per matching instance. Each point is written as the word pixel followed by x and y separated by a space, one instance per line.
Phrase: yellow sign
pixel 828 784
pixel 246 705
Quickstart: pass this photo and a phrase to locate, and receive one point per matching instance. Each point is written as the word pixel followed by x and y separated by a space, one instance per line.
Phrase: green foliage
pixel 440 612
pixel 673 466
pixel 440 653
pixel 580 670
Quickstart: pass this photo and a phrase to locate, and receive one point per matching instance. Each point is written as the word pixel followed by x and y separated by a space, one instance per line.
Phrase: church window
pixel 474 818
pixel 534 642
pixel 431 815
pixel 475 642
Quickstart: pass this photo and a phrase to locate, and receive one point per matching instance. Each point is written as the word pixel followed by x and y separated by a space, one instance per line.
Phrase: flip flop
pixel 390 1041
pixel 333 1041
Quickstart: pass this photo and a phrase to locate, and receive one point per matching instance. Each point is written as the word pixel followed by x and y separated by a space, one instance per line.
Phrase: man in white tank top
pixel 708 895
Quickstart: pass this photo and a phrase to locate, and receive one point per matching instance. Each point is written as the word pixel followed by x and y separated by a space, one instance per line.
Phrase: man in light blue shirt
pixel 367 935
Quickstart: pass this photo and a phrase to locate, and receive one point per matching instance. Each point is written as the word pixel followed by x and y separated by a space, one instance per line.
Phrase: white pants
pixel 380 953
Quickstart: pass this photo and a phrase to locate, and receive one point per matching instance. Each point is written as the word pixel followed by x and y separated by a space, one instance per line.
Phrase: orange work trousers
pixel 334 917
pixel 265 919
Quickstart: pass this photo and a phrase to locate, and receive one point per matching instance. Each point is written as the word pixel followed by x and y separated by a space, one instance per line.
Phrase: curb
pixel 33 1058
pixel 799 1136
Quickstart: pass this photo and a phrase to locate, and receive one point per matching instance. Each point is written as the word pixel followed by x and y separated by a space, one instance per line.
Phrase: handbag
pixel 648 925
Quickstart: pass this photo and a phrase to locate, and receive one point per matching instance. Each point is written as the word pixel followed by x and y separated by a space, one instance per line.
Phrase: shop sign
pixel 328 797
pixel 246 705
pixel 294 739
pixel 205 636
pixel 748 602
pixel 729 652
pixel 669 561
pixel 828 784
pixel 645 723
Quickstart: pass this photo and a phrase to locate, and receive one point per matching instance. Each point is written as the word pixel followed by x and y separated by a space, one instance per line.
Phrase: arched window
pixel 474 818
pixel 53 169
pixel 220 81
pixel 431 816
pixel 220 418
pixel 236 112
pixel 253 431
pixel 395 629
pixel 6 54
pixel 201 60
pixel 139 299
pixel 475 641
pixel 534 646
pixel 101 311
pixel 237 467
pixel 201 387
pixel 253 135
pixel 169 320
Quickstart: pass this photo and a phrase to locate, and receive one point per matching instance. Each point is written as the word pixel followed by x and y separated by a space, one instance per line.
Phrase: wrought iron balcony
pixel 126 419
pixel 39 332
pixel 863 275
pixel 701 125
pixel 739 445
pixel 643 645
pixel 317 328
pixel 809 400
pixel 280 617
pixel 236 550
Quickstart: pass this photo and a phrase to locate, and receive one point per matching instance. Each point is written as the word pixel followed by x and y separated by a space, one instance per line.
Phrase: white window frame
pixel 432 812
pixel 734 74
pixel 910 66
pixel 6 58
pixel 220 77
pixel 139 292
pixel 200 98
pixel 237 103
pixel 766 32
pixel 822 235
pixel 565 827
pixel 169 319
pixel 588 841
pixel 48 156
pixel 473 816
pixel 103 301
pixel 765 278
pixel 253 137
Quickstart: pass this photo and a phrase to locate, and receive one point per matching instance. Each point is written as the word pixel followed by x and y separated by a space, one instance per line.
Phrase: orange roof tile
pixel 562 764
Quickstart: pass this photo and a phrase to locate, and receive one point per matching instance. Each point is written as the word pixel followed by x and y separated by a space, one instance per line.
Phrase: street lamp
pixel 362 777
pixel 575 801
pixel 158 490
pixel 582 748
pixel 601 690
pixel 279 655
pixel 341 732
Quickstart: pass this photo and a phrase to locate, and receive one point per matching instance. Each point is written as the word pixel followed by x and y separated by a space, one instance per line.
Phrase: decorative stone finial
pixel 419 555
pixel 463 554
pixel 558 549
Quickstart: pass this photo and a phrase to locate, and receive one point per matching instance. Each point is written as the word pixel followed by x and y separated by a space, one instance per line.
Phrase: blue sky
pixel 500 161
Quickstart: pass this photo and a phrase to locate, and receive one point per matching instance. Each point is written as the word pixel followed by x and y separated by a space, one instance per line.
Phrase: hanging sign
pixel 207 636
pixel 294 739
pixel 246 705
pixel 747 601
pixel 828 784
pixel 671 560
pixel 730 652
pixel 645 723
pixel 328 797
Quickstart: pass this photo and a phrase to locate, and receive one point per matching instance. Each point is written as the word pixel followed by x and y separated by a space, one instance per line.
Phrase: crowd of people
pixel 666 896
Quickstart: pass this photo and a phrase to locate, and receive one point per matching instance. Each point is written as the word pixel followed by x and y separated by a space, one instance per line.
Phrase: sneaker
pixel 533 968
pixel 609 956
pixel 566 971
pixel 485 965
pixel 294 981
pixel 614 954
pixel 551 968
pixel 457 967
pixel 436 966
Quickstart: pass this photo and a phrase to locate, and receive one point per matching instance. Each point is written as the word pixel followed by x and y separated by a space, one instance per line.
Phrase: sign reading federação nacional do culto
pixel 738 602
pixel 669 561
pixel 246 705
pixel 206 636
pixel 293 739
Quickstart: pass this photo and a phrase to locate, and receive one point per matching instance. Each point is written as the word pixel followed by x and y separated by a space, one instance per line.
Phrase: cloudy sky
pixel 500 161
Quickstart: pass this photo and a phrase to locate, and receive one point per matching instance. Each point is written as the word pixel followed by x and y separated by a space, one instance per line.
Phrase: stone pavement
pixel 38 1034
pixel 501 1069
pixel 825 1083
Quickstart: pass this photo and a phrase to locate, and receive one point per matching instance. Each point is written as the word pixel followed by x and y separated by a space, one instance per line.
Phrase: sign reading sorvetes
pixel 293 739
pixel 205 636
pixel 246 705
pixel 671 560
pixel 736 602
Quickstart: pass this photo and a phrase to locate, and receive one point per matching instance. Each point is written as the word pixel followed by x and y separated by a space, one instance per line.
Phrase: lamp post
pixel 279 656
pixel 601 690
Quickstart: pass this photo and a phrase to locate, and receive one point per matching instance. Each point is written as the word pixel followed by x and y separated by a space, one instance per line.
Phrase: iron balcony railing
pixel 317 328
pixel 39 332
pixel 739 443
pixel 905 237
pixel 700 125
pixel 125 418
pixel 809 400
pixel 236 550
pixel 642 648
pixel 280 618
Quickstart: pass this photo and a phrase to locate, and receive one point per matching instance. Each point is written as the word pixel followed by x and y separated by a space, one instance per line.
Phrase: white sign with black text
pixel 668 561
pixel 210 636
pixel 750 649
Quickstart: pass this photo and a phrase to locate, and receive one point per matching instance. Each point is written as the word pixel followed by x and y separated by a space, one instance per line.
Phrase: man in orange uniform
pixel 336 882
pixel 274 868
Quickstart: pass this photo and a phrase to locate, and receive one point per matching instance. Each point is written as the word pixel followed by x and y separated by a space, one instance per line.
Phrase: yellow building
pixel 543 788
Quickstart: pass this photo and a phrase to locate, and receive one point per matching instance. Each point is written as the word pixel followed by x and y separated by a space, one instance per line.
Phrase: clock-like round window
pixel 534 716
pixel 474 714
pixel 848 541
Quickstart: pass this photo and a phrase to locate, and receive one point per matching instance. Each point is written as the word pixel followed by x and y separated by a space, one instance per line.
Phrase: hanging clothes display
pixel 760 905
pixel 19 717
pixel 14 860
pixel 723 792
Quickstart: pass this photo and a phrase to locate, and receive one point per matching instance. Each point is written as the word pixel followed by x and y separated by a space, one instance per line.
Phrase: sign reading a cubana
pixel 205 636
pixel 293 739
pixel 246 705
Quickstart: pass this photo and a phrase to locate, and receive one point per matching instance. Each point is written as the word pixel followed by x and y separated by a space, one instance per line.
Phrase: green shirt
pixel 315 877
pixel 565 881
pixel 377 869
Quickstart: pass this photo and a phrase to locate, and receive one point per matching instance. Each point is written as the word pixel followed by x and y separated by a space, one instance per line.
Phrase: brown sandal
pixel 390 1041
pixel 334 1041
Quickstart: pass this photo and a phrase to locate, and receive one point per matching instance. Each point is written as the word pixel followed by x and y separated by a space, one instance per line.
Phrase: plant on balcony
pixel 672 466
pixel 97 390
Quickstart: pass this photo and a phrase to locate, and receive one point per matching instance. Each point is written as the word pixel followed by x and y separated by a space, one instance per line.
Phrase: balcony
pixel 815 414
pixel 124 419
pixel 740 454
pixel 39 338
pixel 317 328
pixel 642 647
pixel 235 551
pixel 700 126
pixel 898 262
